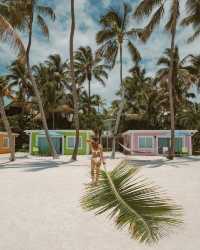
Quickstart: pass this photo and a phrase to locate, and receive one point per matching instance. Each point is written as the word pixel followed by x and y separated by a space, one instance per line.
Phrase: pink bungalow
pixel 156 142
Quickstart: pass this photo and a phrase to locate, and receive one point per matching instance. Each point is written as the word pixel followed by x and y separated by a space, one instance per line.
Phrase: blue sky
pixel 88 13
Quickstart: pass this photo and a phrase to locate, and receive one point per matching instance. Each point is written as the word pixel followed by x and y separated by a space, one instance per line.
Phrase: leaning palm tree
pixel 10 36
pixel 193 18
pixel 133 204
pixel 4 92
pixel 73 80
pixel 88 66
pixel 113 36
pixel 27 12
pixel 145 9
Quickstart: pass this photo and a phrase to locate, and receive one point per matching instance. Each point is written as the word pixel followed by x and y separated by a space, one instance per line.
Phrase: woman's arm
pixel 89 141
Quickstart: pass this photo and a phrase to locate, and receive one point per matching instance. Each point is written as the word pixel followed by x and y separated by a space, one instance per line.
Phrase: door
pixel 162 144
pixel 179 145
pixel 44 147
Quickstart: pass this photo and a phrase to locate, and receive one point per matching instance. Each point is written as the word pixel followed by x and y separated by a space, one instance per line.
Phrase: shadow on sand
pixel 182 161
pixel 38 166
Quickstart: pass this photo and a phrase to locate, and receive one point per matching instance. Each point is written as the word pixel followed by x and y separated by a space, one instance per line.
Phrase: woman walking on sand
pixel 97 158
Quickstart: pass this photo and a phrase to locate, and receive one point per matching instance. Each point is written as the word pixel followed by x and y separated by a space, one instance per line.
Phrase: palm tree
pixel 18 80
pixel 99 102
pixel 28 11
pixel 113 36
pixel 8 35
pixel 183 78
pixel 132 203
pixel 146 8
pixel 4 92
pixel 194 68
pixel 73 80
pixel 88 66
pixel 57 70
pixel 143 100
pixel 189 116
pixel 193 18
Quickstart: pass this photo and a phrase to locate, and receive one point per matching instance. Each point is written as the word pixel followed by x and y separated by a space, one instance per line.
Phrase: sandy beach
pixel 40 210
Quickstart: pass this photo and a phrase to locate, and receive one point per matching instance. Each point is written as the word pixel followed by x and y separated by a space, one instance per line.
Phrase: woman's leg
pixel 98 165
pixel 93 170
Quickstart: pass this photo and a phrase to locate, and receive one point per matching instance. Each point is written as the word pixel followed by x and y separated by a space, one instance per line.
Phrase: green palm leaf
pixel 155 20
pixel 46 11
pixel 10 36
pixel 43 26
pixel 134 204
pixel 136 57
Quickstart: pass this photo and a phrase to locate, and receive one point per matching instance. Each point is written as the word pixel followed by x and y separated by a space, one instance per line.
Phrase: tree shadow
pixel 184 161
pixel 32 166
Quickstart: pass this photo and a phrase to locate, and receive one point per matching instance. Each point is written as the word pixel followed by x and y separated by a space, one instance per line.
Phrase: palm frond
pixel 112 18
pixel 133 203
pixel 46 11
pixel 187 21
pixel 109 51
pixel 194 36
pixel 155 20
pixel 10 36
pixel 146 7
pixel 43 26
pixel 174 15
pixel 134 33
pixel 136 57
pixel 104 35
pixel 163 61
pixel 127 10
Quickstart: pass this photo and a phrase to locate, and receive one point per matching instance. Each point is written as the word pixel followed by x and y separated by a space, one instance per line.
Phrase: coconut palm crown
pixel 88 66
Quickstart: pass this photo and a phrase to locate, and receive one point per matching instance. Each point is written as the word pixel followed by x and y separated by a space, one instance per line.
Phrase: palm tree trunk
pixel 8 129
pixel 53 120
pixel 35 88
pixel 121 107
pixel 74 90
pixel 89 94
pixel 171 96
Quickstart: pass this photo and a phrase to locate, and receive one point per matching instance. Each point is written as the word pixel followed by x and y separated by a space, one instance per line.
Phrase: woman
pixel 97 158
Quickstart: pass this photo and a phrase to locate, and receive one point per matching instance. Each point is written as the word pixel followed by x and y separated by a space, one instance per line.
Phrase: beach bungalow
pixel 4 142
pixel 157 142
pixel 64 141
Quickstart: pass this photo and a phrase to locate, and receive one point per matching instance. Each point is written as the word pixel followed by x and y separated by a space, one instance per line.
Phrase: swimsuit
pixel 96 156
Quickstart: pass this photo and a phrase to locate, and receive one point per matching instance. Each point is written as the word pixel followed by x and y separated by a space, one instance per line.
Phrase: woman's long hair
pixel 95 142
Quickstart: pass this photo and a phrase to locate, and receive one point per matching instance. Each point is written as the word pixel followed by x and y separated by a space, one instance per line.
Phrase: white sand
pixel 39 205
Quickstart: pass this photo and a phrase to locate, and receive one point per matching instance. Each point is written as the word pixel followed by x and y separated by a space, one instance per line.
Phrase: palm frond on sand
pixel 133 203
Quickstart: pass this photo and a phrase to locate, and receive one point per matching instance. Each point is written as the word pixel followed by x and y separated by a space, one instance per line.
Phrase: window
pixel 5 142
pixel 146 142
pixel 71 142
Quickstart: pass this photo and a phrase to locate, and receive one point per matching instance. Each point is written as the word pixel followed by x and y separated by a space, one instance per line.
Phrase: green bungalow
pixel 64 141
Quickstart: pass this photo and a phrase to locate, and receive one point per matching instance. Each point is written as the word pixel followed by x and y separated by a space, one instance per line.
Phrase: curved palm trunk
pixel 171 96
pixel 121 107
pixel 74 90
pixel 36 91
pixel 8 129
pixel 89 94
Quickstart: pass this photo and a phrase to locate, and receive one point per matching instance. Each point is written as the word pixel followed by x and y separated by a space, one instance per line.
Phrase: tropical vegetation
pixel 58 94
